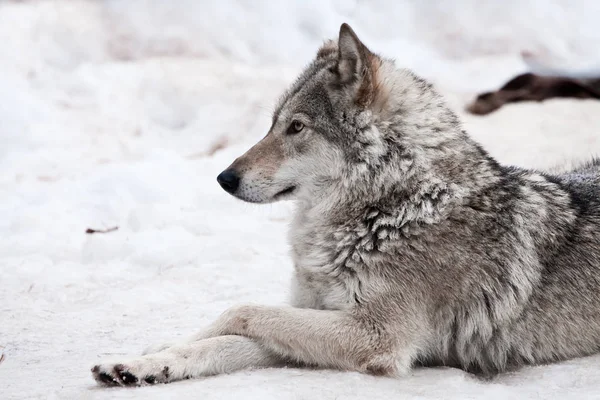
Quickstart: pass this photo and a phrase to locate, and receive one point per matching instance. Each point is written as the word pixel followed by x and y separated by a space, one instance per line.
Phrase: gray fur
pixel 411 244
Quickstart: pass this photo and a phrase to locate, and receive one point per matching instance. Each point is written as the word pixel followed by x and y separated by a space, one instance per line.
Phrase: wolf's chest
pixel 320 281
pixel 310 290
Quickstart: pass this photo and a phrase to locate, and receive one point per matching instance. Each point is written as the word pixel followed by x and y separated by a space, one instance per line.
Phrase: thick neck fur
pixel 411 160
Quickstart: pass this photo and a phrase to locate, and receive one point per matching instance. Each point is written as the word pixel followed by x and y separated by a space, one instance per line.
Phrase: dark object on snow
pixel 531 87
pixel 89 231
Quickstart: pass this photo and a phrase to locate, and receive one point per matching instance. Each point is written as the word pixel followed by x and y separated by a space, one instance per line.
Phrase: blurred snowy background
pixel 121 113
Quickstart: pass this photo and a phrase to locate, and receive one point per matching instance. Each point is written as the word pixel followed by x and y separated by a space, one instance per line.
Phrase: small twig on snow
pixel 90 231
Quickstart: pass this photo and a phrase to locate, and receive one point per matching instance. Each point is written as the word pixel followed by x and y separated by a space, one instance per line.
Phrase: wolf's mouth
pixel 285 192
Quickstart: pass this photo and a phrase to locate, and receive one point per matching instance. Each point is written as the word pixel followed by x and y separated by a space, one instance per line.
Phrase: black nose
pixel 229 180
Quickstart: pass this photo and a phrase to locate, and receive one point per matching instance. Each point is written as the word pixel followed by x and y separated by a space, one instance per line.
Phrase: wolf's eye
pixel 295 127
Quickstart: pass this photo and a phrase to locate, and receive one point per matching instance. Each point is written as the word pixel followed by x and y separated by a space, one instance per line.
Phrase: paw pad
pixel 126 377
pixel 103 377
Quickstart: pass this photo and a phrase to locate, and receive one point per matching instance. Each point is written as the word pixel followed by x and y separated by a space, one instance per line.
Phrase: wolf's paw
pixel 137 372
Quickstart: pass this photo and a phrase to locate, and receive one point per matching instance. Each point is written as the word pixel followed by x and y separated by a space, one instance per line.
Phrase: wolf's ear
pixel 355 65
pixel 352 54
pixel 327 50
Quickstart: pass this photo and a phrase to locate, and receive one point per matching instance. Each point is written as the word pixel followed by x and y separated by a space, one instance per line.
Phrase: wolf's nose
pixel 229 180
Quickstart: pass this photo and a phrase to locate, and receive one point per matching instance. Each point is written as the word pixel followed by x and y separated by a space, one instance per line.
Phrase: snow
pixel 117 113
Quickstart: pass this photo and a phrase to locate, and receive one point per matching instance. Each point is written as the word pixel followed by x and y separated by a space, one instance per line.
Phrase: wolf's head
pixel 351 123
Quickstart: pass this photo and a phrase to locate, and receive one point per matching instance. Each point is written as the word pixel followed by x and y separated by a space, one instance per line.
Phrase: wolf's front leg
pixel 222 354
pixel 329 339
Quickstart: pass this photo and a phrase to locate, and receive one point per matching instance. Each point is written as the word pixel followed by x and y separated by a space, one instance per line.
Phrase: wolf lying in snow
pixel 411 245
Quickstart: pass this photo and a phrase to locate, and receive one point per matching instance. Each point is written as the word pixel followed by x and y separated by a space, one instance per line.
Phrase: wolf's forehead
pixel 307 77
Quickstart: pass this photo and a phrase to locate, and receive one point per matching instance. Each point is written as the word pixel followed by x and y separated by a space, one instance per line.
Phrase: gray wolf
pixel 411 245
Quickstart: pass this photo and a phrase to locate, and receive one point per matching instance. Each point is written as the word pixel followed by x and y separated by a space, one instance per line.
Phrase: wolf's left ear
pixel 355 65
pixel 352 54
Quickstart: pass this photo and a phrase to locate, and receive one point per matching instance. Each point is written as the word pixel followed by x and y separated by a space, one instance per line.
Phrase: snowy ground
pixel 122 113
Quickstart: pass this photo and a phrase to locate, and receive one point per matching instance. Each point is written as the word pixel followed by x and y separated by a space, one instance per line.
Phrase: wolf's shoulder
pixel 582 184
